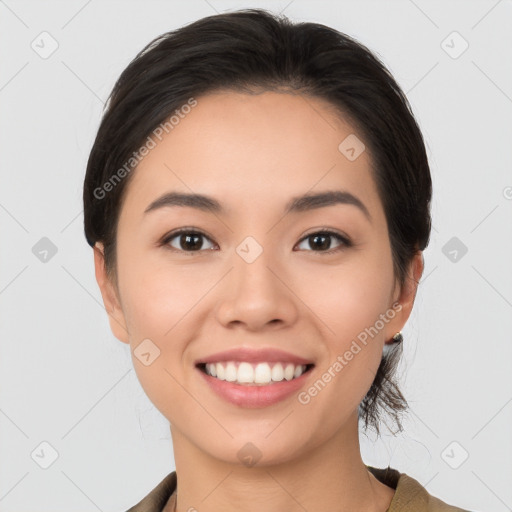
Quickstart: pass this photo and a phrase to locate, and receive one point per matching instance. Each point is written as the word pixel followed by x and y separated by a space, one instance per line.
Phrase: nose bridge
pixel 252 273
pixel 254 294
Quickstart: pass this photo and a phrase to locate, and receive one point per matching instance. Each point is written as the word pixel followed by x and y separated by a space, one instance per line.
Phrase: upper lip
pixel 250 355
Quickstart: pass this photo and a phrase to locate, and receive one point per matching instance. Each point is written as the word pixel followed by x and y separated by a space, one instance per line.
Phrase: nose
pixel 257 295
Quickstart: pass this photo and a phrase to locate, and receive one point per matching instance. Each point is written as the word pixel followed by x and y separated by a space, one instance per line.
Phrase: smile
pixel 259 374
pixel 248 393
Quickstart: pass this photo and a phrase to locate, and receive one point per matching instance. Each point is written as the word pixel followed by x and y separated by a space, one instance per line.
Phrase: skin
pixel 253 153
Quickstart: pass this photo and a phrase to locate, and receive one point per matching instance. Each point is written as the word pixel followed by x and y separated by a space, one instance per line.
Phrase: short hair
pixel 254 50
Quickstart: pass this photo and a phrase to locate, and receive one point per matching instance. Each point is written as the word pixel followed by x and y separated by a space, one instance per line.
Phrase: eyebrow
pixel 298 204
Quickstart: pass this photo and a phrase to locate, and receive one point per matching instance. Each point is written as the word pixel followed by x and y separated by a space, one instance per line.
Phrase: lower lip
pixel 255 396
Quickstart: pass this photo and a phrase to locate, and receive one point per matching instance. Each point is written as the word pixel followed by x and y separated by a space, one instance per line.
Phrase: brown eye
pixel 322 241
pixel 186 241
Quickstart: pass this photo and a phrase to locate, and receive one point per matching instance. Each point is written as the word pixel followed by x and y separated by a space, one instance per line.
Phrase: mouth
pixel 254 378
pixel 246 373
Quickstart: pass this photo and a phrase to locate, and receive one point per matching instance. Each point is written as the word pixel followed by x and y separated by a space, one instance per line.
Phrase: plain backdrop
pixel 66 382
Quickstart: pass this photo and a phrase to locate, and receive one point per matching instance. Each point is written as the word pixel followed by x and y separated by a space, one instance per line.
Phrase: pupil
pixel 187 238
pixel 325 245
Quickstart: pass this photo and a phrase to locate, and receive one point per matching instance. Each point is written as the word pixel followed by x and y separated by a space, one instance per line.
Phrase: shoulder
pixel 157 498
pixel 410 494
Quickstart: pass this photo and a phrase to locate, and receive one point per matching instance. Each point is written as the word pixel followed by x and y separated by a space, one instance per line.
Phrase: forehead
pixel 261 148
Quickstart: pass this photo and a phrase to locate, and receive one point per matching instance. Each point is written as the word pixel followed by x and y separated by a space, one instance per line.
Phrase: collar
pixel 409 494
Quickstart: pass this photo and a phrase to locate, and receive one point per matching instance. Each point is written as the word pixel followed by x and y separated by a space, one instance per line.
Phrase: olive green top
pixel 410 495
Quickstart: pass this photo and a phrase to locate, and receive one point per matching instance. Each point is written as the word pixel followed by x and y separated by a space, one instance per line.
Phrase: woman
pixel 258 200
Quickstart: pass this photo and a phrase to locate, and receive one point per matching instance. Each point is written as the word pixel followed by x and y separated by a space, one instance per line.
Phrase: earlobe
pixel 109 296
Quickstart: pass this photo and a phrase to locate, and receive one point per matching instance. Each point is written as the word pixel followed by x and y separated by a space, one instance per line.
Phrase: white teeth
pixel 260 373
pixel 277 372
pixel 288 371
pixel 231 372
pixel 221 373
pixel 245 373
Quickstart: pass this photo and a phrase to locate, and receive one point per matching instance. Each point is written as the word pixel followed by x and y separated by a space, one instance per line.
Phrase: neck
pixel 331 476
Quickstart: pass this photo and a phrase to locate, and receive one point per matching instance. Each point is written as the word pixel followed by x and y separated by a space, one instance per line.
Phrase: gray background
pixel 65 380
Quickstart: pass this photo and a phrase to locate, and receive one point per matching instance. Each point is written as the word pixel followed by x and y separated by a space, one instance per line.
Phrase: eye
pixel 322 241
pixel 187 240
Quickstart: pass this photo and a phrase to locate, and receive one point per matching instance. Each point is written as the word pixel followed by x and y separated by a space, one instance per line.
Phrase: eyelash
pixel 346 242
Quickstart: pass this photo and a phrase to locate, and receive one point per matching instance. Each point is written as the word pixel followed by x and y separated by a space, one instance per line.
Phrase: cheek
pixel 350 300
pixel 349 297
pixel 156 296
pixel 159 306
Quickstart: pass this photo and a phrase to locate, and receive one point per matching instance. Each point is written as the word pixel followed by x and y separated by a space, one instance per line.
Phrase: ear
pixel 110 296
pixel 406 296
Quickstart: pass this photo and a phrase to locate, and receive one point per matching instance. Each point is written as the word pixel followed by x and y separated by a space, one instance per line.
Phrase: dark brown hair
pixel 252 50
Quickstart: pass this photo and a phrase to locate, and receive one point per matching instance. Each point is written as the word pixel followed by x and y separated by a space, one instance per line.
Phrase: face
pixel 258 272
